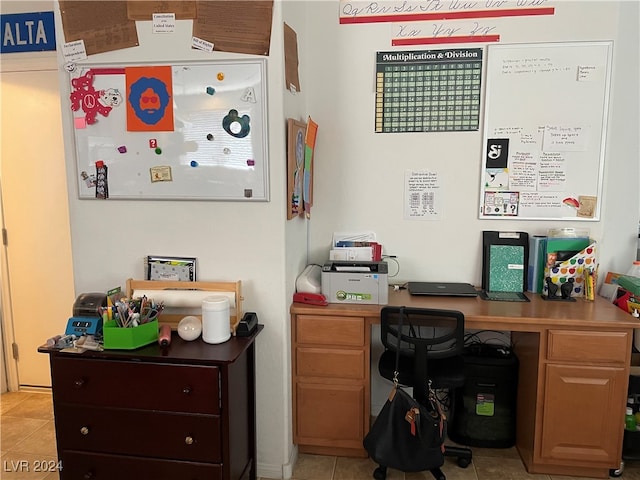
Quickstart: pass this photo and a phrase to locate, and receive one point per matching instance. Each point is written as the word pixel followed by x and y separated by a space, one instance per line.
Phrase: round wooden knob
pixel 79 383
pixel 186 390
pixel 84 430
pixel 88 475
pixel 188 440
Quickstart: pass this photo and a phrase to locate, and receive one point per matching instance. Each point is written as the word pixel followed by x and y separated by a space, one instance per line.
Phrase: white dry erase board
pixel 545 127
pixel 192 131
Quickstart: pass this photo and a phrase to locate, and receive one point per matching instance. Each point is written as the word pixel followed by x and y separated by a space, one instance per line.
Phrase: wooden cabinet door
pixel 330 415
pixel 583 417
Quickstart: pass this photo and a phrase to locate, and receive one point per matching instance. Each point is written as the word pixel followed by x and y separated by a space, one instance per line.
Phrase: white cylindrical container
pixel 215 319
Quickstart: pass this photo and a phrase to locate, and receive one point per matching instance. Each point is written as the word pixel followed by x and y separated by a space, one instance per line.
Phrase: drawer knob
pixel 84 430
pixel 186 390
pixel 88 475
pixel 188 440
pixel 79 383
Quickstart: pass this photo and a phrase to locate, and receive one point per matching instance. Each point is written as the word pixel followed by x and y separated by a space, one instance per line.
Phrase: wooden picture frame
pixel 296 132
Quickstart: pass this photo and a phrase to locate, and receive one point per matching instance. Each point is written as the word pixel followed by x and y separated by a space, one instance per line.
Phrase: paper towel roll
pixel 182 298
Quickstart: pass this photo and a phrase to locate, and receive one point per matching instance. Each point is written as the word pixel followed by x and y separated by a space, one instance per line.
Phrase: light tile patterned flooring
pixel 27 441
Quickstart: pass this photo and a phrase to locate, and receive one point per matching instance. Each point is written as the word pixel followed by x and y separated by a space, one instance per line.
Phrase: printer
pixel 356 282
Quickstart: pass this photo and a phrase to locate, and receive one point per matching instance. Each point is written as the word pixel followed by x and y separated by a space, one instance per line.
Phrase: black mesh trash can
pixel 485 408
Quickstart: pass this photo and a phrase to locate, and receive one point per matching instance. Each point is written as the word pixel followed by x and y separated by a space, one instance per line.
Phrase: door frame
pixel 10 368
pixel 18 62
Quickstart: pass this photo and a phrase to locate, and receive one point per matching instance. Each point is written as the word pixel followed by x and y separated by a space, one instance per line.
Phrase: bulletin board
pixel 544 130
pixel 192 131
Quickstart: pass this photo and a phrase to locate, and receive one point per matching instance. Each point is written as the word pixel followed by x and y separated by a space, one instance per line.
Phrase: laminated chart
pixel 428 91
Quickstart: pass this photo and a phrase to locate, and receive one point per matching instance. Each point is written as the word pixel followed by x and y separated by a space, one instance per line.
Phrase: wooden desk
pixel 574 367
pixel 187 411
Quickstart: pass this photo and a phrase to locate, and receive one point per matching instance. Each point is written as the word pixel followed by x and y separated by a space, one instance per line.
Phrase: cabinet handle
pixel 79 383
pixel 84 430
pixel 186 390
pixel 188 440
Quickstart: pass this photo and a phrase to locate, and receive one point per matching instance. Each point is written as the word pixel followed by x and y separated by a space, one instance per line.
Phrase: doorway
pixel 37 272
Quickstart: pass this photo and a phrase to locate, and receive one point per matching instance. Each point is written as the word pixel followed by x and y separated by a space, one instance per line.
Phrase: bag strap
pixel 434 404
pixel 396 371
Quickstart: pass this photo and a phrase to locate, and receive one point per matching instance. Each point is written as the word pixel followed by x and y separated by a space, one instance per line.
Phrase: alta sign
pixel 28 32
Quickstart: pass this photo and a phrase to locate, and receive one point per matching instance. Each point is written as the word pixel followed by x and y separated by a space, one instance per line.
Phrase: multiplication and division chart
pixel 428 91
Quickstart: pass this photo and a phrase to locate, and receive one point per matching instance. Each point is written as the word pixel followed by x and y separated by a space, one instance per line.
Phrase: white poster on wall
pixel 422 195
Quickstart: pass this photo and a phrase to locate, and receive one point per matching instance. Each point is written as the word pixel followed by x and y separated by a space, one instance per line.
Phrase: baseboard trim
pixel 284 472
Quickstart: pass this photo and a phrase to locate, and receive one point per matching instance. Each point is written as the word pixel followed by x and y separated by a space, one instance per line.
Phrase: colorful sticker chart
pixel 428 91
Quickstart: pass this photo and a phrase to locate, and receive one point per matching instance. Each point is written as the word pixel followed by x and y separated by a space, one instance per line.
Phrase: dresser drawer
pixel 76 465
pixel 588 346
pixel 175 388
pixel 139 432
pixel 323 330
pixel 330 362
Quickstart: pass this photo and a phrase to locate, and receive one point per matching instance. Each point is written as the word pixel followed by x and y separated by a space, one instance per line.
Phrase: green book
pixel 506 268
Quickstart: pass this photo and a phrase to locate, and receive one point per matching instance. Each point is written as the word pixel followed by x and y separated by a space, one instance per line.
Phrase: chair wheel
pixel 463 462
pixel 617 472
pixel 380 473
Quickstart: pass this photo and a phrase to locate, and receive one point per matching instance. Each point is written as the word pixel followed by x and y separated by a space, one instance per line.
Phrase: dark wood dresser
pixel 187 411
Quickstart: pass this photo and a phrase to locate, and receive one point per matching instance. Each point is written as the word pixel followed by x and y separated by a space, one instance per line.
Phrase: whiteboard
pixel 545 125
pixel 213 148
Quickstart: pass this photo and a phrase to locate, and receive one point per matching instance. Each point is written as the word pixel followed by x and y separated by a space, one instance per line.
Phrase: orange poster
pixel 149 99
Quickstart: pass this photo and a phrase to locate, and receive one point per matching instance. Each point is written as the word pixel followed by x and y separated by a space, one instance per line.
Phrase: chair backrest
pixel 426 334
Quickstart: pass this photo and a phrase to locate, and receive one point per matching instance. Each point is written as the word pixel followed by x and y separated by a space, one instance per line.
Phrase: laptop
pixel 451 289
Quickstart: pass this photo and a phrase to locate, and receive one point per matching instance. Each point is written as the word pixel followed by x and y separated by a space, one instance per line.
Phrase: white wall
pixel 296 237
pixel 359 174
pixel 358 184
pixel 231 240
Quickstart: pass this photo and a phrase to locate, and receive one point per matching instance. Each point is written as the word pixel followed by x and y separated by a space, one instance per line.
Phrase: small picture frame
pixel 181 269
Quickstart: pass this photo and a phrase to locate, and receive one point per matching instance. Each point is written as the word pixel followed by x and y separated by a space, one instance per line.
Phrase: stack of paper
pixel 355 247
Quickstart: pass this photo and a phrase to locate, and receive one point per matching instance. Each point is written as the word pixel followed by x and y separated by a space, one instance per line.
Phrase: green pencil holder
pixel 118 338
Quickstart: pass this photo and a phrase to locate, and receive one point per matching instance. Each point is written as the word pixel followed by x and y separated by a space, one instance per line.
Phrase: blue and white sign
pixel 28 32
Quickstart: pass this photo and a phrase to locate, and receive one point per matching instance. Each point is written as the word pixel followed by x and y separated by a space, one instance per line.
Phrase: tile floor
pixel 27 441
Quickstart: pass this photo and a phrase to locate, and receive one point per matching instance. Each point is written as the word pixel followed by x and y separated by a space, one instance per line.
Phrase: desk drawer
pixel 109 467
pixel 588 346
pixel 136 432
pixel 324 330
pixel 330 362
pixel 166 387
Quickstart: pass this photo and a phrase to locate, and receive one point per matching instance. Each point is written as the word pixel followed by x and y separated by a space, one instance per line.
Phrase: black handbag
pixel 407 435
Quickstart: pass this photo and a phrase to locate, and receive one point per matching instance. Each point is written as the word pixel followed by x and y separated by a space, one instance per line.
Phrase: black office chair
pixel 431 348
